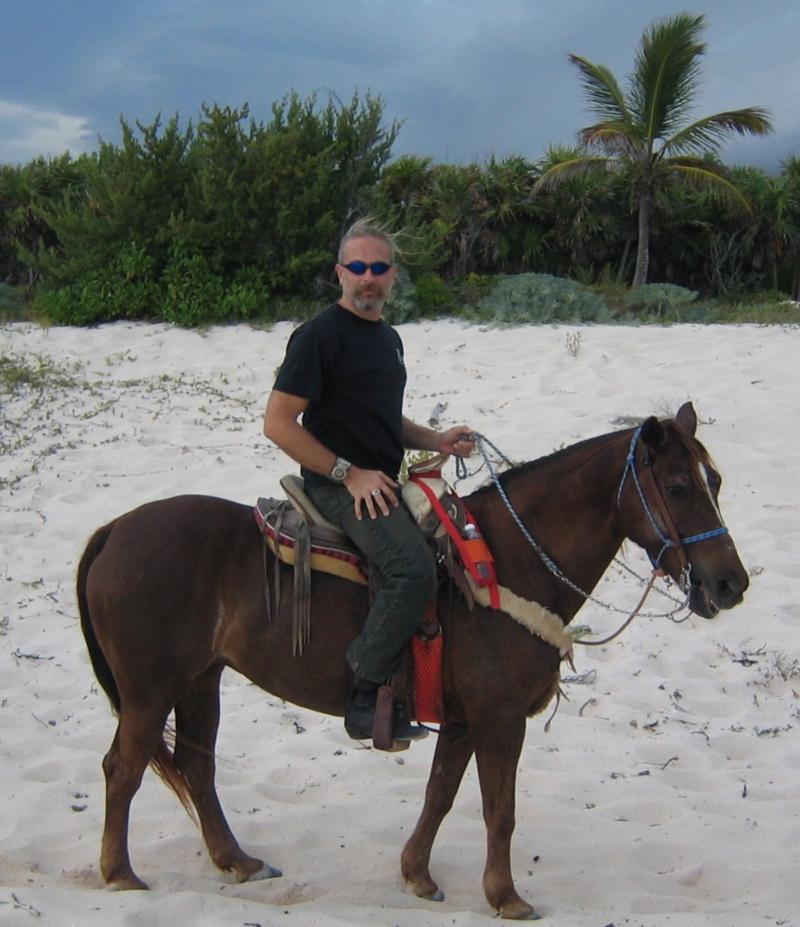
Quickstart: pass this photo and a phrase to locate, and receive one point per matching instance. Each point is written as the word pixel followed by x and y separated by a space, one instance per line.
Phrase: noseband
pixel 669 537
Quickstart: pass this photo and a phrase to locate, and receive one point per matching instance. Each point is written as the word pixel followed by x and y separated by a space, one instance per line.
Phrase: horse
pixel 173 592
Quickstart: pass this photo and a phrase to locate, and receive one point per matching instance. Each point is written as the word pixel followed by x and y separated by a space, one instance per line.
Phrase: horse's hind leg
pixel 196 722
pixel 453 752
pixel 138 735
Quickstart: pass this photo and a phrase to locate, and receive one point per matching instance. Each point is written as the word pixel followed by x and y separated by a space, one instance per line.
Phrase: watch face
pixel 340 470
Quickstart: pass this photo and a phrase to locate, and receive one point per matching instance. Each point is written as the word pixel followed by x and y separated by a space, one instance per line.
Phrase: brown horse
pixel 174 591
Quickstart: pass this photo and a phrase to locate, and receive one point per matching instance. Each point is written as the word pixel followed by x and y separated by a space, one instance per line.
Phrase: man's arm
pixel 281 426
pixel 455 440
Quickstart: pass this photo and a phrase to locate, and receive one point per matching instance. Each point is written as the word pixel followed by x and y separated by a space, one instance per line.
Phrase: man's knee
pixel 418 574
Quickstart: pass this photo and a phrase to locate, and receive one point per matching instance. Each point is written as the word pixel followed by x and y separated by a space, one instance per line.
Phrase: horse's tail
pixel 99 663
pixel 162 761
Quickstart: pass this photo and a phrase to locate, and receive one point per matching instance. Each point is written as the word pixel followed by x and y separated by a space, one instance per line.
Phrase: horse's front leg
pixel 453 752
pixel 497 750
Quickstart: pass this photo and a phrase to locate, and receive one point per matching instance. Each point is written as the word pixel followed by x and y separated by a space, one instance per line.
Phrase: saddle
pixel 295 530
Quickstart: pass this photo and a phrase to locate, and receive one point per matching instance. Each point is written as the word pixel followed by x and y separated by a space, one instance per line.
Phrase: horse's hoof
pixel 129 883
pixel 520 916
pixel 427 890
pixel 519 911
pixel 265 872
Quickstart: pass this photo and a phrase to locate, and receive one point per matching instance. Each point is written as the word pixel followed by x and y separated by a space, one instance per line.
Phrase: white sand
pixel 666 790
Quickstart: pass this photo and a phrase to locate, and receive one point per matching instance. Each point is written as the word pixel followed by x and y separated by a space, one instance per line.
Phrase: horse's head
pixel 669 496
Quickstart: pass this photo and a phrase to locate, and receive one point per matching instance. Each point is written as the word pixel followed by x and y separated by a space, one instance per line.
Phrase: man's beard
pixel 370 299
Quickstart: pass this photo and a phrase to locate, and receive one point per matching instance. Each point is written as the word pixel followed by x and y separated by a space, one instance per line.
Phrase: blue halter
pixel 667 543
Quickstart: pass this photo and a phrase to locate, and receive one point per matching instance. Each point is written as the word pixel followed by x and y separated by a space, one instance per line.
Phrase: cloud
pixel 27 132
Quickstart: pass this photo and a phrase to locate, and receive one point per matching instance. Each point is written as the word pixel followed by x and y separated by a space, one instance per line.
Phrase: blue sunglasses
pixel 359 268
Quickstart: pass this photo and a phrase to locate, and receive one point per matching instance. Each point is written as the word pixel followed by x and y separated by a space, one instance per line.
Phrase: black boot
pixel 402 728
pixel 359 715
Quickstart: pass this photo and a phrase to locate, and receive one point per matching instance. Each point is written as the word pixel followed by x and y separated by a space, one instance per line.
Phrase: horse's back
pixel 157 584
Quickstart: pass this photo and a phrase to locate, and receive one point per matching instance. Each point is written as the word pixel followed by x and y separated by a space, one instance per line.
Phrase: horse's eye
pixel 677 490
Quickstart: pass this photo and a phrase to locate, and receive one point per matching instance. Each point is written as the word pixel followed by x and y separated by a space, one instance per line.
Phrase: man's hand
pixel 459 441
pixel 371 489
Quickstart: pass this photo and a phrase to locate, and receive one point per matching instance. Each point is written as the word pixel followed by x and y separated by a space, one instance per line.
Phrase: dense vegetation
pixel 230 218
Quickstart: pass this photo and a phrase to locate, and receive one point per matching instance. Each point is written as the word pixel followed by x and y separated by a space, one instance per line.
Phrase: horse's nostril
pixel 729 589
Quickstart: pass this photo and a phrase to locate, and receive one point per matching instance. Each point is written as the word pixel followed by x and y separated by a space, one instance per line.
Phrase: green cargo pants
pixel 395 546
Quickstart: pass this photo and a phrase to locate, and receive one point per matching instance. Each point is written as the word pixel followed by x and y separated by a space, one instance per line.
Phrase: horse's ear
pixel 653 434
pixel 686 420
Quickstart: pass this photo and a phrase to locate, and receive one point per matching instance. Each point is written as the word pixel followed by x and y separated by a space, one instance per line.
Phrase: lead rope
pixel 630 618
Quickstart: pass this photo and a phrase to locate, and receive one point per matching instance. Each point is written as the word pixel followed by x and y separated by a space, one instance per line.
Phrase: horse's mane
pixel 575 455
pixel 583 452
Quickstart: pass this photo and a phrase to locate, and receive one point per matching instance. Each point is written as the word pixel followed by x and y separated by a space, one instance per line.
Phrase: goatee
pixel 369 301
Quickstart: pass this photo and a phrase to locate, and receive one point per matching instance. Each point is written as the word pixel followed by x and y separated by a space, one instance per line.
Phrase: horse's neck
pixel 568 504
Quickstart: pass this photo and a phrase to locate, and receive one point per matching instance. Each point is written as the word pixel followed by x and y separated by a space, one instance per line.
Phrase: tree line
pixel 229 217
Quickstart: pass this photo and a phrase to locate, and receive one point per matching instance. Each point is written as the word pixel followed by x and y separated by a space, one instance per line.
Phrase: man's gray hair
pixel 369 227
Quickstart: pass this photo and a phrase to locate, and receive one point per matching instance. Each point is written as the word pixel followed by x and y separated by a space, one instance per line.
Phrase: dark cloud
pixel 468 78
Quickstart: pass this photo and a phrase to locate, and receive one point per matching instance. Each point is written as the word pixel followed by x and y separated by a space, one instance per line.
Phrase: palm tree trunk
pixel 623 263
pixel 643 246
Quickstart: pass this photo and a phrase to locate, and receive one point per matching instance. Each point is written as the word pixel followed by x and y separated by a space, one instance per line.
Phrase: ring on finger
pixel 375 492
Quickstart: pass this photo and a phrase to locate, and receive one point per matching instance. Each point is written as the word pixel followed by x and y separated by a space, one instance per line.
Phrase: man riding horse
pixel 344 373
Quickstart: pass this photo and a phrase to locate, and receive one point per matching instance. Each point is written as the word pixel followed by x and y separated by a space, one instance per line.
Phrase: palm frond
pixel 708 133
pixel 558 173
pixel 706 178
pixel 666 74
pixel 605 95
pixel 614 138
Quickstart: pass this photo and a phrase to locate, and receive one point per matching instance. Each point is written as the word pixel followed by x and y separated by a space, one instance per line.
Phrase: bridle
pixel 667 535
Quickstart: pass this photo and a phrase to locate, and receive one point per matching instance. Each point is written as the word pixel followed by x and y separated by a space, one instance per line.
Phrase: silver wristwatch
pixel 340 470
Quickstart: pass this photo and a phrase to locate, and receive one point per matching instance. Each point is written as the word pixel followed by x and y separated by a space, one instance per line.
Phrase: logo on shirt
pixel 400 357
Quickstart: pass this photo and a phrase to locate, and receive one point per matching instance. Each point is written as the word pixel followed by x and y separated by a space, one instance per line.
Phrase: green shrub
pixel 12 303
pixel 659 299
pixel 403 305
pixel 301 268
pixel 123 289
pixel 538 298
pixel 246 296
pixel 434 296
pixel 193 293
pixel 474 287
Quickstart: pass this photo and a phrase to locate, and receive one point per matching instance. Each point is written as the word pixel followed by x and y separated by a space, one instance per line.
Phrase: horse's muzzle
pixel 711 594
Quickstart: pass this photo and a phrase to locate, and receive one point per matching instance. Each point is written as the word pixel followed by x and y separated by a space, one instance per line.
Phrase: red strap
pixel 475 553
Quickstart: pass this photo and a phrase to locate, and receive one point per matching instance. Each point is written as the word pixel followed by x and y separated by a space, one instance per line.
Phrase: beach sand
pixel 664 793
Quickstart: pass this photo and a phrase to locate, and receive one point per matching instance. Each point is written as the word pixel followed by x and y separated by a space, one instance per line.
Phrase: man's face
pixel 366 294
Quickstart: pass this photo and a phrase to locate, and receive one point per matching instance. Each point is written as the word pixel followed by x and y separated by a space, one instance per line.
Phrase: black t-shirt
pixel 352 371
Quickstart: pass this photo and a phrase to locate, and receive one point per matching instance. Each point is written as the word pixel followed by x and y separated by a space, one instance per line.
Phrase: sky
pixel 470 79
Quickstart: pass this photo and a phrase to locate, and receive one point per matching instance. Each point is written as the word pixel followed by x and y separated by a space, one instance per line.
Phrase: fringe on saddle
pixel 298 535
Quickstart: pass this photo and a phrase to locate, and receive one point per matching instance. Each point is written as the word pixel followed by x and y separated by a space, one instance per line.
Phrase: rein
pixel 668 543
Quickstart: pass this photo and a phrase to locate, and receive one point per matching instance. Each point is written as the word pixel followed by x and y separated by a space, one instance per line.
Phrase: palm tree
pixel 644 132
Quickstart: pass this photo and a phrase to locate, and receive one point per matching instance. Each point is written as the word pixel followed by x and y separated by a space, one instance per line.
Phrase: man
pixel 344 373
